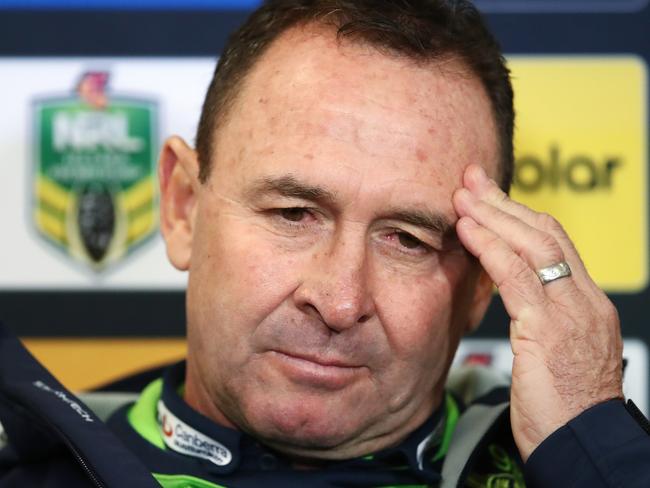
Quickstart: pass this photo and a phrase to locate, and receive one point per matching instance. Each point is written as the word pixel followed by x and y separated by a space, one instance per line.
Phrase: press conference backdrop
pixel 88 90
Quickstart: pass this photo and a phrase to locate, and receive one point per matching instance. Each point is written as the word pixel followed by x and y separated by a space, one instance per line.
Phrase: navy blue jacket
pixel 605 446
pixel 55 440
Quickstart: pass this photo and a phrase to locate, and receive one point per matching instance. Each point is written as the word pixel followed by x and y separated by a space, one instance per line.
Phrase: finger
pixel 486 189
pixel 480 184
pixel 518 284
pixel 538 249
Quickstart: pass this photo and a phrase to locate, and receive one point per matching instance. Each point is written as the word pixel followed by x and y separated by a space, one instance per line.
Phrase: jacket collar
pixel 222 450
pixel 39 415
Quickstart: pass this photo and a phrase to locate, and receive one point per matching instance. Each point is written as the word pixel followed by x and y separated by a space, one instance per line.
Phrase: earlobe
pixel 179 184
pixel 482 298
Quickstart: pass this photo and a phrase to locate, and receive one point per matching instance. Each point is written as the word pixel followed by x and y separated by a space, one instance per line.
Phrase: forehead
pixel 381 117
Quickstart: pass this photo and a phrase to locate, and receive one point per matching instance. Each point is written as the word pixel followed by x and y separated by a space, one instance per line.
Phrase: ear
pixel 178 171
pixel 483 293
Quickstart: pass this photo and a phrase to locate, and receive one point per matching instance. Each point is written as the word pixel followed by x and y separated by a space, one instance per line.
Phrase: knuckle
pixel 518 271
pixel 496 195
pixel 492 245
pixel 512 272
pixel 549 223
pixel 550 247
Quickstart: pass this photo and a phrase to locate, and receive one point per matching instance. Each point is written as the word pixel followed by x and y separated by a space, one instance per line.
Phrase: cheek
pixel 415 314
pixel 424 316
pixel 416 320
pixel 237 277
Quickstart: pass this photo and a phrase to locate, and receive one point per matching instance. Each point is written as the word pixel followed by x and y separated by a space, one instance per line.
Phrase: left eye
pixel 294 214
pixel 408 241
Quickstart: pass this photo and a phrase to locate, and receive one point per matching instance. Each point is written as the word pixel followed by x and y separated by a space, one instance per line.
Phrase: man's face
pixel 327 292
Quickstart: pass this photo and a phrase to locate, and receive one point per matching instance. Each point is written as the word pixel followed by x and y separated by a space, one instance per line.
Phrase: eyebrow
pixel 290 187
pixel 432 222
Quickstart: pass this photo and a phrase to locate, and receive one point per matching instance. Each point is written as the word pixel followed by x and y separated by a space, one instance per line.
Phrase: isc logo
pixel 581 146
pixel 578 173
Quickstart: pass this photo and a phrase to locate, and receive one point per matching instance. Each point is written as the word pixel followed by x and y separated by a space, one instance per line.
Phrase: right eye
pixel 293 214
pixel 409 241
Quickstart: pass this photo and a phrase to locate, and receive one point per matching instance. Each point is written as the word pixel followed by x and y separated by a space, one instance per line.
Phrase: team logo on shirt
pixel 184 439
pixel 94 189
pixel 167 429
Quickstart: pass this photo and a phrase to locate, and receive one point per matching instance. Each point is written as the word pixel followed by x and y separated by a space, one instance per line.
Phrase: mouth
pixel 316 372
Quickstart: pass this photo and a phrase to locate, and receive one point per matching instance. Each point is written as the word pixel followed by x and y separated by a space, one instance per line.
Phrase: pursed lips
pixel 317 371
pixel 322 361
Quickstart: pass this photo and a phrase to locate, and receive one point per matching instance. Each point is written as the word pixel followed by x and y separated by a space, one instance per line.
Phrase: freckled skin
pixel 421 155
pixel 377 133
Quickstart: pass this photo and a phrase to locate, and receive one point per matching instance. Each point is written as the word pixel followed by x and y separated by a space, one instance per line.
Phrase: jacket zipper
pixel 82 462
pixel 80 459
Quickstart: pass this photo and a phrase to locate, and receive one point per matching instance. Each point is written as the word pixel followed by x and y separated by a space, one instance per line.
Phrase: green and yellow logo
pixel 95 193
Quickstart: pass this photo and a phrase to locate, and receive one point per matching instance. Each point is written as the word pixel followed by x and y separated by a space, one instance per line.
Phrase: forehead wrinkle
pixel 363 133
pixel 392 108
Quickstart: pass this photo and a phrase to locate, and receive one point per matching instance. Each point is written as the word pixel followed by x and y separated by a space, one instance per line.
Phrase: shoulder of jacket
pixel 104 404
pixel 486 394
pixel 471 383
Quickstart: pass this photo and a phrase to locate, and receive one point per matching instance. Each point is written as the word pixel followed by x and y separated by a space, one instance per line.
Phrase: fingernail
pixel 467 222
pixel 464 193
pixel 482 175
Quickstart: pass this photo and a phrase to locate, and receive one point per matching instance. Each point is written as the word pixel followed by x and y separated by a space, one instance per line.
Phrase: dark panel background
pixel 201 33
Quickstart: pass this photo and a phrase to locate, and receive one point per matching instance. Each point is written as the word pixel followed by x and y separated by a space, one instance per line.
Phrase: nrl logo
pixel 94 181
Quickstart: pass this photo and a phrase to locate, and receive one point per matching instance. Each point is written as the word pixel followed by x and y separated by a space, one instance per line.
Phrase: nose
pixel 335 285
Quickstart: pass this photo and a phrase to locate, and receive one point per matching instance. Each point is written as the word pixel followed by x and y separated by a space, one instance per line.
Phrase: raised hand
pixel 565 335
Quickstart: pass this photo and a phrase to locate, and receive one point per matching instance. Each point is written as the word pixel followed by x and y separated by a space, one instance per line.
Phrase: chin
pixel 303 425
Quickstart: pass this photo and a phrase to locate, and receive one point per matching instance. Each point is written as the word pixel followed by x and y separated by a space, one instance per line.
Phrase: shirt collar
pixel 188 432
pixel 422 447
pixel 222 450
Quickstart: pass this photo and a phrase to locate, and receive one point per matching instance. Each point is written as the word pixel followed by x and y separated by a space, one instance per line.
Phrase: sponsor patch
pixel 582 155
pixel 180 437
pixel 94 185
